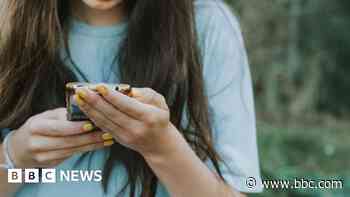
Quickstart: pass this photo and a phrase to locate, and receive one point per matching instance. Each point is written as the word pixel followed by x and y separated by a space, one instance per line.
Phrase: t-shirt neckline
pixel 81 27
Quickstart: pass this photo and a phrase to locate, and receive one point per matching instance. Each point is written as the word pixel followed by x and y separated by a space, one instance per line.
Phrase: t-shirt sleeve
pixel 3 133
pixel 229 87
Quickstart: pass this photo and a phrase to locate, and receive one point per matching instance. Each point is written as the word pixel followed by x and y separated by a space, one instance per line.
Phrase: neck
pixel 97 17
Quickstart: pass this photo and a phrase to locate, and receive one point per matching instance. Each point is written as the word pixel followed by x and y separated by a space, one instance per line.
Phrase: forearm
pixel 184 174
pixel 6 188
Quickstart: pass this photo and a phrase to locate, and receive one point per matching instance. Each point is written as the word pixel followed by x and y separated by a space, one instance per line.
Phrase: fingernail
pixel 107 136
pixel 132 93
pixel 108 143
pixel 88 127
pixel 80 101
pixel 82 93
pixel 102 90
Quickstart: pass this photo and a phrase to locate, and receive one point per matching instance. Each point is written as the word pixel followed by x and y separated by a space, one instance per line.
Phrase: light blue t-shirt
pixel 228 84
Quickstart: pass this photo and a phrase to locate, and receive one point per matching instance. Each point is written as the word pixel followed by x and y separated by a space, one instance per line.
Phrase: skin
pixel 140 122
pixel 98 12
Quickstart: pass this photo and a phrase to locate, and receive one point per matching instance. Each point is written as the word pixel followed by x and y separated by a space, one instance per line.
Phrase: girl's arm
pixel 142 124
pixel 184 174
pixel 45 141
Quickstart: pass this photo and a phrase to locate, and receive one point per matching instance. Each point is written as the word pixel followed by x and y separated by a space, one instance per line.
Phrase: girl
pixel 188 129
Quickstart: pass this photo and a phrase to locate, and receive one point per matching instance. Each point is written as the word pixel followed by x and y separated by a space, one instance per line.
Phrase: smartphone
pixel 73 111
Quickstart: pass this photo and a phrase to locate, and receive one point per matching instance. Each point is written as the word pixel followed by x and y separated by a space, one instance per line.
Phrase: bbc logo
pixel 31 176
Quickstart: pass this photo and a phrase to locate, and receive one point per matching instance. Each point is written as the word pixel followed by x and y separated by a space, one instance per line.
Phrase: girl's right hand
pixel 47 139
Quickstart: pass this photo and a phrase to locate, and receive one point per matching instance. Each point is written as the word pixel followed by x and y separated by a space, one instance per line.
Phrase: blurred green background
pixel 298 51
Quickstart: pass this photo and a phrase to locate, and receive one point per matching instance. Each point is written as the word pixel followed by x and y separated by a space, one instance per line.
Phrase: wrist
pixel 169 145
pixel 16 153
pixel 6 160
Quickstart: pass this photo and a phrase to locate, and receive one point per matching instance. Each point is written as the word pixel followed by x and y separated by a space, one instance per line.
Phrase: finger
pixel 59 128
pixel 124 103
pixel 108 111
pixel 149 96
pixel 97 117
pixel 59 154
pixel 43 143
pixel 53 163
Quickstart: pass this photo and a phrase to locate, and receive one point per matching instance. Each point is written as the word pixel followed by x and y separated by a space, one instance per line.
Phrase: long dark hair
pixel 159 51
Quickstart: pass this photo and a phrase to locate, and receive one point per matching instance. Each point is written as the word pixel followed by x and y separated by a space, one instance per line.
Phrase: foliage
pixel 287 153
pixel 298 52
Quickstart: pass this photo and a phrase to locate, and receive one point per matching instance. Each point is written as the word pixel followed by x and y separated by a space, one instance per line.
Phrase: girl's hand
pixel 47 139
pixel 141 122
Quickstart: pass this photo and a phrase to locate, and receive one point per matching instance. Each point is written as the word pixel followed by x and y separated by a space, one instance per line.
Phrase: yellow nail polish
pixel 102 90
pixel 79 100
pixel 82 93
pixel 107 136
pixel 88 127
pixel 108 143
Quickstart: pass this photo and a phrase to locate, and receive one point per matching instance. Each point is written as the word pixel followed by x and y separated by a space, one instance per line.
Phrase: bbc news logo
pixel 52 176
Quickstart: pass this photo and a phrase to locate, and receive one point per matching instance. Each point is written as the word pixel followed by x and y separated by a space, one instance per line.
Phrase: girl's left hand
pixel 141 122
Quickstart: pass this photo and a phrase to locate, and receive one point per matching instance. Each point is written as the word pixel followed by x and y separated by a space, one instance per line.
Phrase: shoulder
pixel 215 17
pixel 214 10
pixel 218 30
pixel 221 44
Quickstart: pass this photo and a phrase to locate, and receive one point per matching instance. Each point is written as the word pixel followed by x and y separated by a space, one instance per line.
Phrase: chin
pixel 102 4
